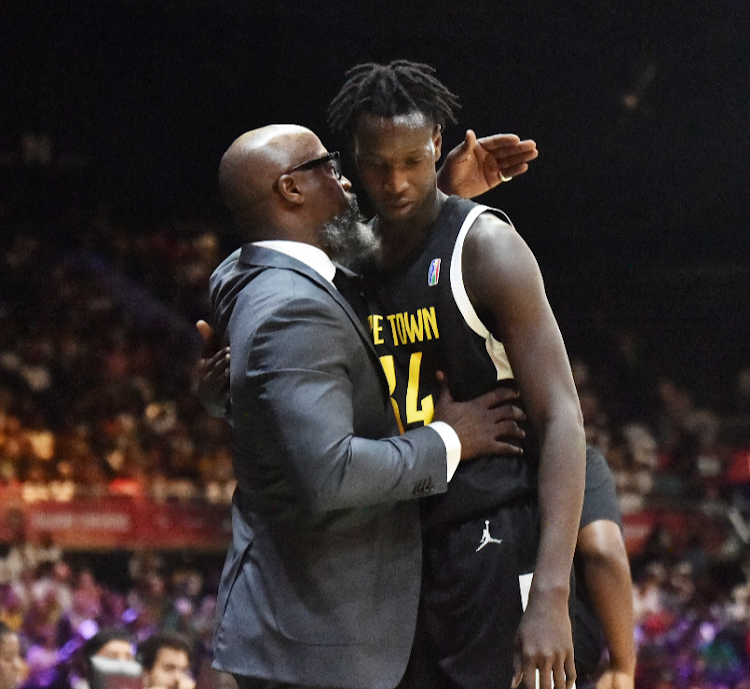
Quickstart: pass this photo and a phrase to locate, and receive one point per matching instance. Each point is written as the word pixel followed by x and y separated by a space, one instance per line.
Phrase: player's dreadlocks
pixel 398 88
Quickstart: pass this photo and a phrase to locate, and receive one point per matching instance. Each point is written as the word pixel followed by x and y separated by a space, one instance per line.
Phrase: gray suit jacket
pixel 321 584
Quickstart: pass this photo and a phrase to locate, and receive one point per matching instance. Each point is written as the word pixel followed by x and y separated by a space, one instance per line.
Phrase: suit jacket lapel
pixel 262 256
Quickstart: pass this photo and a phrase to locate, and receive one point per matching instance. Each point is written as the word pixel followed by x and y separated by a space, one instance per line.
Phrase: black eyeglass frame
pixel 332 156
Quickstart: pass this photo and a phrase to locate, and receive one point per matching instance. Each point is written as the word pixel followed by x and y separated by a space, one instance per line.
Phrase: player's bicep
pixel 504 280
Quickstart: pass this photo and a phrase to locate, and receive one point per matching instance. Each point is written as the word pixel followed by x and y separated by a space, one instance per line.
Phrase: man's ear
pixel 437 141
pixel 289 189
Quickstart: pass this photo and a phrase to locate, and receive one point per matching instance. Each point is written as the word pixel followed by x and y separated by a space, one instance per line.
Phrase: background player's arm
pixel 477 165
pixel 606 572
pixel 504 283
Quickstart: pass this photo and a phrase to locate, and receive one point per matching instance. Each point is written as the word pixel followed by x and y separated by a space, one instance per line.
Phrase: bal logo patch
pixel 433 273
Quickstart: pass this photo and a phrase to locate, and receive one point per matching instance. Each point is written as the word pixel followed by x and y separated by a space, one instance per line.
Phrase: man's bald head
pixel 252 164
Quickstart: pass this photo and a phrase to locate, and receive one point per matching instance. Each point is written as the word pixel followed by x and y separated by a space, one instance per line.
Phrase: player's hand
pixel 613 679
pixel 486 425
pixel 544 643
pixel 477 165
pixel 212 373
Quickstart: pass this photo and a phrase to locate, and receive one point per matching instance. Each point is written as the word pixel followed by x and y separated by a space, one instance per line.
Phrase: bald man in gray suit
pixel 321 583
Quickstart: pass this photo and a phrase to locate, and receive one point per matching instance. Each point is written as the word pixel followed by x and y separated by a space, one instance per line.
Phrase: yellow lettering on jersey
pixel 401 327
pixel 406 327
pixel 430 323
pixel 376 327
pixel 426 407
pixel 413 326
pixel 390 375
pixel 392 320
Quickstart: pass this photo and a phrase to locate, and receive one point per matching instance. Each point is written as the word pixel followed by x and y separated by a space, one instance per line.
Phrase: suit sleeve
pixel 306 391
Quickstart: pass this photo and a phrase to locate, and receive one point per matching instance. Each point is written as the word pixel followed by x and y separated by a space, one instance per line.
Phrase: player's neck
pixel 399 239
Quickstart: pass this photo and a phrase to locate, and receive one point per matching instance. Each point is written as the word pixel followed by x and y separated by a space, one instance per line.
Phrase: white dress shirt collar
pixel 310 255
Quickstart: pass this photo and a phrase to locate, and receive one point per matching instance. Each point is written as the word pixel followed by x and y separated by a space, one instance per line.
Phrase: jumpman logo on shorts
pixel 486 538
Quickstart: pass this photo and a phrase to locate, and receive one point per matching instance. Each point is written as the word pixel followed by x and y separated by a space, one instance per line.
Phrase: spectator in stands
pixel 12 666
pixel 686 430
pixel 634 479
pixel 86 603
pixel 112 643
pixel 22 553
pixel 166 658
pixel 650 593
pixel 13 604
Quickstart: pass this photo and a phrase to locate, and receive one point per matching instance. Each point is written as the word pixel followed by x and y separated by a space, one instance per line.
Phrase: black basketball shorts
pixel 470 606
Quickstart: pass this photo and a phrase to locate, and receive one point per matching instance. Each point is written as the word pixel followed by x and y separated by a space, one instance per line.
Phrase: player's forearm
pixel 561 482
pixel 609 583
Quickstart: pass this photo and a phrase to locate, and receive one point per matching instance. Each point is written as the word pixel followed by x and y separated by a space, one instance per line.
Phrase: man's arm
pixel 504 284
pixel 606 573
pixel 212 389
pixel 477 165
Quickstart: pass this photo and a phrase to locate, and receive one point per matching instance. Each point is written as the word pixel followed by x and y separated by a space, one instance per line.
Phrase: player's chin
pixel 397 213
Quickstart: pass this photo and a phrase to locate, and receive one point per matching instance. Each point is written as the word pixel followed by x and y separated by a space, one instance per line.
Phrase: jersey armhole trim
pixel 456 273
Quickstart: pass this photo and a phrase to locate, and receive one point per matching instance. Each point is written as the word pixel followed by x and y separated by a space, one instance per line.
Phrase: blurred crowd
pixel 56 609
pixel 97 360
pixel 97 348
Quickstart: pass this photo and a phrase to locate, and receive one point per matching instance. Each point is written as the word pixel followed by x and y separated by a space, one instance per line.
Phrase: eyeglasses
pixel 333 158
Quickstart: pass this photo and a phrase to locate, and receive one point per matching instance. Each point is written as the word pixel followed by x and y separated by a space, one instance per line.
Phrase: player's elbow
pixel 604 559
pixel 564 413
pixel 600 544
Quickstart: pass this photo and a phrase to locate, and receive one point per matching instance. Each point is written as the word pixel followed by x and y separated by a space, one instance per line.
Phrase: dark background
pixel 637 208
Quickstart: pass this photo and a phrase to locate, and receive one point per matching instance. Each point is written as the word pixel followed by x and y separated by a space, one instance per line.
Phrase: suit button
pixel 424 486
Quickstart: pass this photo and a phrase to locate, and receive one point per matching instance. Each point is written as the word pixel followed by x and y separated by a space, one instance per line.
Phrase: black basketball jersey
pixel 422 321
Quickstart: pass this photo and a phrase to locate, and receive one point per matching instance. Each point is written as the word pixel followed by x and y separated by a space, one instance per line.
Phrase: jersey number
pixel 416 410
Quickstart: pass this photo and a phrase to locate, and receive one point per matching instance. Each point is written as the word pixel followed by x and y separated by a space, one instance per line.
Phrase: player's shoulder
pixel 492 220
pixel 497 264
pixel 491 226
pixel 493 237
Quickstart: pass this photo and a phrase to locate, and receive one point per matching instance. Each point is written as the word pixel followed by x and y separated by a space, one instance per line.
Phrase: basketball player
pixel 449 282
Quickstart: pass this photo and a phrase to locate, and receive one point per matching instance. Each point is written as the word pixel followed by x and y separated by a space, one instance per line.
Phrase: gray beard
pixel 346 238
